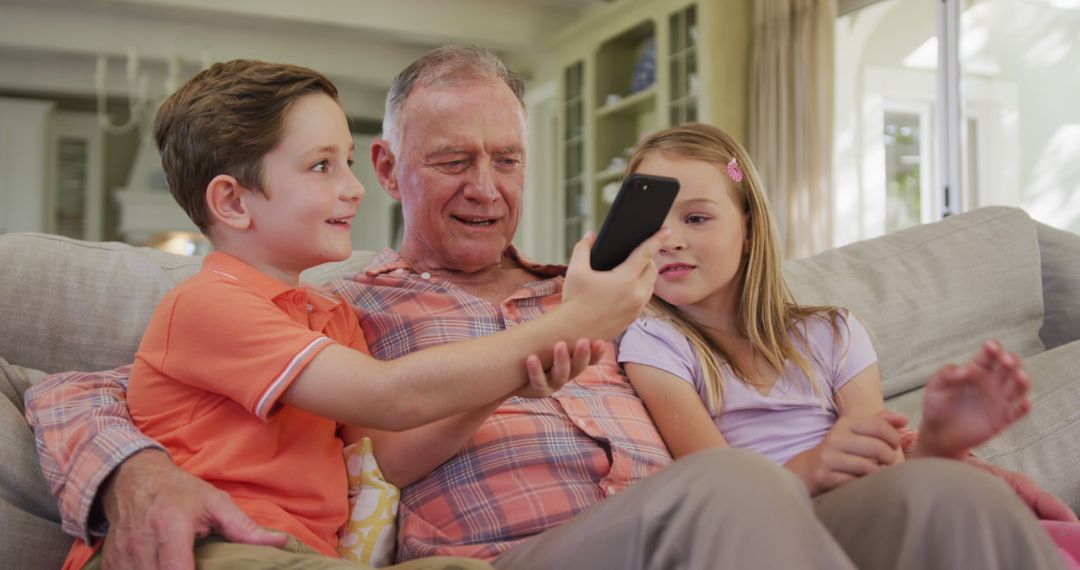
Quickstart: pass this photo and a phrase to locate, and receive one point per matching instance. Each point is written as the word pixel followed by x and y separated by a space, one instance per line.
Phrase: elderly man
pixel 577 480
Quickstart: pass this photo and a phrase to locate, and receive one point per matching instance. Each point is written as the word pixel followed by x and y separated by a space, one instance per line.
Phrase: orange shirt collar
pixel 227 265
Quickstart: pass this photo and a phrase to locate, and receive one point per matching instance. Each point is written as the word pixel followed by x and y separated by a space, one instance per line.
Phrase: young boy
pixel 245 376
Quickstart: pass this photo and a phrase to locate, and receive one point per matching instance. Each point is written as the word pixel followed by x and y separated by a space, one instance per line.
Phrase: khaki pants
pixel 733 509
pixel 214 553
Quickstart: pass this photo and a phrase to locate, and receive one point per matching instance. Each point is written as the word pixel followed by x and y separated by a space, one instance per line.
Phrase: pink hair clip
pixel 734 171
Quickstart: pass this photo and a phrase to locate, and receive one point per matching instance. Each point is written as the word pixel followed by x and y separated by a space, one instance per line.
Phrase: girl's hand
pixel 964 406
pixel 606 302
pixel 854 447
pixel 564 368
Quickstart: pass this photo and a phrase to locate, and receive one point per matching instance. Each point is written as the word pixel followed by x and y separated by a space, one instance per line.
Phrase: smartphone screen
pixel 637 213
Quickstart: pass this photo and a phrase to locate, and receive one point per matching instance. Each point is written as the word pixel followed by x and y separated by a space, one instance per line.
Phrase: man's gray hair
pixel 446 65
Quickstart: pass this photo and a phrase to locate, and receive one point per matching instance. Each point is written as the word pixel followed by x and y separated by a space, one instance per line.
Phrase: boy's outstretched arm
pixel 349 387
pixel 406 457
pixel 964 406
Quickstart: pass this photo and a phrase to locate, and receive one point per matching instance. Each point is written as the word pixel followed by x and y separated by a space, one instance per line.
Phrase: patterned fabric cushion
pixel 370 535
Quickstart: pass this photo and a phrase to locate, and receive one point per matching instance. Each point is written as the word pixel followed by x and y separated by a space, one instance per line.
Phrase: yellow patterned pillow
pixel 370 534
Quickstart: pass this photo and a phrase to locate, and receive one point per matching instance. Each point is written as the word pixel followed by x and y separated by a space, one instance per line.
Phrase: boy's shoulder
pixel 211 285
pixel 224 287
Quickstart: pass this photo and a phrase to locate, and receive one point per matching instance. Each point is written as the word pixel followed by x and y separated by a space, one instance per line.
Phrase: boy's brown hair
pixel 224 121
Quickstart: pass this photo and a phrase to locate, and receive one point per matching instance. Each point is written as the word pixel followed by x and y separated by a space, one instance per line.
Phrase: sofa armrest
pixel 1059 253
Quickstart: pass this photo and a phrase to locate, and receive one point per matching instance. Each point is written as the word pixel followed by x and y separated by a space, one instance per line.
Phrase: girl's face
pixel 700 263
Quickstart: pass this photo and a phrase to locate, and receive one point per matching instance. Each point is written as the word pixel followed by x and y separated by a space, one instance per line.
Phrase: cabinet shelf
pixel 636 103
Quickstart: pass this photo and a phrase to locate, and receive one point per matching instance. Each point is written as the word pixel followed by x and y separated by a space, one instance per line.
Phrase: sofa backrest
pixel 931 294
pixel 76 305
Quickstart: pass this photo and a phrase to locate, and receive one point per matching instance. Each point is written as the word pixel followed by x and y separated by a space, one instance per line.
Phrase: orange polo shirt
pixel 217 354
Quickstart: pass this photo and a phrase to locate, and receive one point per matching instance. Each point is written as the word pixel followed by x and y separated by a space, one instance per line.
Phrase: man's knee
pixel 734 478
pixel 933 484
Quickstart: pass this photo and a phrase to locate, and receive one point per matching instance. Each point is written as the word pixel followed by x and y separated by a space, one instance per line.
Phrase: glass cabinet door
pixel 682 62
pixel 573 139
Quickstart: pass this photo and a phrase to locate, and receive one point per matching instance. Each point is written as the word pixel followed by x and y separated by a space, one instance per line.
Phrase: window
pixel 988 86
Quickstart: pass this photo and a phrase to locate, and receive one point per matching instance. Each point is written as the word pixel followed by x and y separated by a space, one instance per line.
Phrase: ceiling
pixel 52 45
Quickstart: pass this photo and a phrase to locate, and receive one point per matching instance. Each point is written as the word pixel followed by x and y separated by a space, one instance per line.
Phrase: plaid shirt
pixel 532 465
pixel 83 432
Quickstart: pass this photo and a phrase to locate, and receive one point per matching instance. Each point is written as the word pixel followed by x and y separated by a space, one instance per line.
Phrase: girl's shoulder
pixel 654 333
pixel 828 321
pixel 654 329
pixel 835 333
pixel 828 327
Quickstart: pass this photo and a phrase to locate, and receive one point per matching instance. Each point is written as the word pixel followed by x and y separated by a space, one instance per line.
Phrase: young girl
pixel 724 356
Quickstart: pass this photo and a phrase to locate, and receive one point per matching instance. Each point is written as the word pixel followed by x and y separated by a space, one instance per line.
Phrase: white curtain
pixel 791 117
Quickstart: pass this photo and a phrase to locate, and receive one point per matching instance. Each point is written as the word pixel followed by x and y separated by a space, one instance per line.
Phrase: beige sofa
pixel 930 294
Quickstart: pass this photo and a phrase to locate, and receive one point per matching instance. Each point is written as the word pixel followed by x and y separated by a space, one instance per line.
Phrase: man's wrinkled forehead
pixel 491 96
pixel 448 150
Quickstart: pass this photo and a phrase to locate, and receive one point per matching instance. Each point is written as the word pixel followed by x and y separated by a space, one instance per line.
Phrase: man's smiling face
pixel 460 173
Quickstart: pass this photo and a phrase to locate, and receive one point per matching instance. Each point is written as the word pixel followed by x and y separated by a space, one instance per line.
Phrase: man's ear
pixel 382 158
pixel 225 202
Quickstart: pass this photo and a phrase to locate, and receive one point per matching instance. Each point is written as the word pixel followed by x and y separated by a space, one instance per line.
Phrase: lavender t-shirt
pixel 792 417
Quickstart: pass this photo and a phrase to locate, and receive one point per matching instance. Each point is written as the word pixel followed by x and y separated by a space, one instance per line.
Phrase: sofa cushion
pixel 75 305
pixel 1059 252
pixel 931 294
pixel 355 263
pixel 30 535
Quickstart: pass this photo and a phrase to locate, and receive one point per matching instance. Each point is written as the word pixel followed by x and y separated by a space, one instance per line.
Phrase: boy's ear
pixel 225 202
pixel 384 161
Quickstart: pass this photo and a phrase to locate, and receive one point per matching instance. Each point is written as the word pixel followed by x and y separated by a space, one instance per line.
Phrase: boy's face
pixel 311 194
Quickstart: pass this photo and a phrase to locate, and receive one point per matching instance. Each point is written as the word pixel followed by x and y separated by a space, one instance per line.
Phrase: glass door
pixel 886 128
pixel 1020 82
pixel 987 116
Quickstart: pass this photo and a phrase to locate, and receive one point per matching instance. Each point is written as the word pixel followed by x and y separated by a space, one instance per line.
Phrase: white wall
pixel 23 164
pixel 539 234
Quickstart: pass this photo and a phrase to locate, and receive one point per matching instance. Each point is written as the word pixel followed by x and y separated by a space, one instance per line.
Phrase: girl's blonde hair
pixel 766 312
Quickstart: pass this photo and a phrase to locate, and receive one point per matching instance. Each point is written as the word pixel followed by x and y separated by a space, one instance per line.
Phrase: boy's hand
pixel 853 448
pixel 564 368
pixel 608 301
pixel 964 406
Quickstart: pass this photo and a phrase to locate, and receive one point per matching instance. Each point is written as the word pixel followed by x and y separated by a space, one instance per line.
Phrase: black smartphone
pixel 637 213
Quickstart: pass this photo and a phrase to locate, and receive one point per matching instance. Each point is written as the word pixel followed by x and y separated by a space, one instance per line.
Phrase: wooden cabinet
pixel 633 68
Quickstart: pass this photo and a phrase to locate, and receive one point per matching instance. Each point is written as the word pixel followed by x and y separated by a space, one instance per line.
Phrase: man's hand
pixel 156 511
pixel 564 368
pixel 608 301
pixel 853 448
